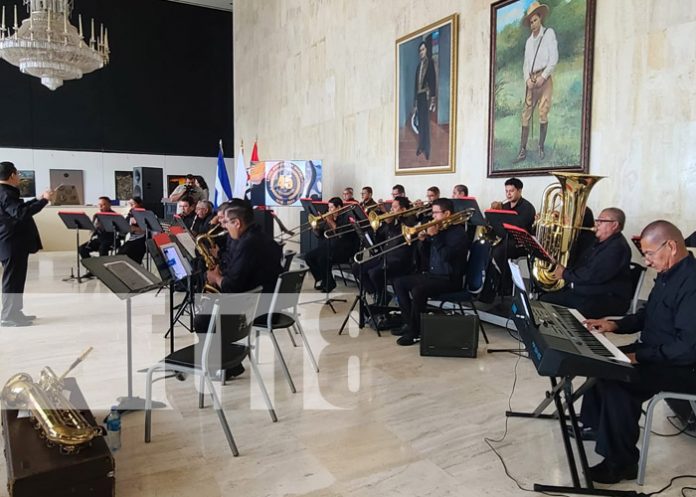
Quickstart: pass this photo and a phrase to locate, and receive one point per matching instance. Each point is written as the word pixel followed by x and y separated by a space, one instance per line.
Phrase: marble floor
pixel 378 420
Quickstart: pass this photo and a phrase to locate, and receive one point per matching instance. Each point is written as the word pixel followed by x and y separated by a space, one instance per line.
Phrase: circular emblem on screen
pixel 285 182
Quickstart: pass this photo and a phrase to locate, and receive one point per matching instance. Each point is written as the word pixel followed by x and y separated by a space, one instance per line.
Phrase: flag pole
pixel 223 152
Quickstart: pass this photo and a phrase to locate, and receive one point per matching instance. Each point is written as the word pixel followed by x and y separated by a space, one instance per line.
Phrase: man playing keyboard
pixel 664 357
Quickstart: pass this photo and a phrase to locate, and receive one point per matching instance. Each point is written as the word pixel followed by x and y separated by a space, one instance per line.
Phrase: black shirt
pixel 254 261
pixel 525 214
pixel 604 269
pixel 448 252
pixel 668 320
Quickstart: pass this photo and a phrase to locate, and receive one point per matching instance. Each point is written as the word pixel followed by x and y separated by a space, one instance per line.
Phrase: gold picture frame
pixel 426 87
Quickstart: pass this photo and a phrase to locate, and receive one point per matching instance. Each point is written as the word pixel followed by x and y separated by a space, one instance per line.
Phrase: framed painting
pixel 426 99
pixel 124 184
pixel 27 183
pixel 540 86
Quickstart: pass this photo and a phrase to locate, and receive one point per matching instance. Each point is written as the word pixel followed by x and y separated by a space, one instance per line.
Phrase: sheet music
pixel 129 275
pixel 188 243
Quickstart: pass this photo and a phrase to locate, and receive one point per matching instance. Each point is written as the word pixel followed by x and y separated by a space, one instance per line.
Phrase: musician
pixel 524 219
pixel 600 283
pixel 460 191
pixel 348 194
pixel 101 240
pixel 187 213
pixel 371 274
pixel 135 246
pixel 664 358
pixel 254 259
pixel 398 191
pixel 367 200
pixel 329 252
pixel 188 189
pixel 204 213
pixel 19 237
pixel 447 265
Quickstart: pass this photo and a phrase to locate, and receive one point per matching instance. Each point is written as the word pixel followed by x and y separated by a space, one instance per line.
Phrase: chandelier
pixel 48 46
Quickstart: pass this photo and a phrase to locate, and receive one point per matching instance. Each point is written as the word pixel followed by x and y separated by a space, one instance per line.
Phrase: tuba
pixel 560 221
pixel 204 244
pixel 58 421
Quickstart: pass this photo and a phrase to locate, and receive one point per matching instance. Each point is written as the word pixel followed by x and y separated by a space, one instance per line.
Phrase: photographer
pixel 188 189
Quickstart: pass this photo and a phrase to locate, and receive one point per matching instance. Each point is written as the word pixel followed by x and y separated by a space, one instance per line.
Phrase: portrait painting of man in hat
pixel 540 85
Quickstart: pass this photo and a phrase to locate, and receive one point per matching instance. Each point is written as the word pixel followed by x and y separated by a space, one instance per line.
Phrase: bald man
pixel 664 358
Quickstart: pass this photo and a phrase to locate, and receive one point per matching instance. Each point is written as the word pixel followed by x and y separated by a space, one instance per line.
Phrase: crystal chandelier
pixel 49 47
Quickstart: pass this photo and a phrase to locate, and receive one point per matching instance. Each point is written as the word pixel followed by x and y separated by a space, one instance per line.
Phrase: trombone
pixel 377 219
pixel 410 233
pixel 313 221
pixel 346 228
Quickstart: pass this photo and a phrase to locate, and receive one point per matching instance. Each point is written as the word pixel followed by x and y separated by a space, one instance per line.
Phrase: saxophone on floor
pixel 56 419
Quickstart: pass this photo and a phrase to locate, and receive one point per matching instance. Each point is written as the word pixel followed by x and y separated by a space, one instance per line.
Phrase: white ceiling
pixel 216 4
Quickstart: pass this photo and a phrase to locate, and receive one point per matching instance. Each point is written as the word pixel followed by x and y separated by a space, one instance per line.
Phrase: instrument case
pixel 35 470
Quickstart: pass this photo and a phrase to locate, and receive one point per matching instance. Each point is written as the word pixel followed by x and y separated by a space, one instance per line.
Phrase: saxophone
pixel 57 420
pixel 204 244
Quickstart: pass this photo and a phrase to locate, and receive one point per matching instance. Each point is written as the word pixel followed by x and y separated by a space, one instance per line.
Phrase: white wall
pixel 99 167
pixel 323 87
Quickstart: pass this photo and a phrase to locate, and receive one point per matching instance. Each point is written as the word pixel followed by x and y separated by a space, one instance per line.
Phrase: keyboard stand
pixel 538 413
pixel 565 387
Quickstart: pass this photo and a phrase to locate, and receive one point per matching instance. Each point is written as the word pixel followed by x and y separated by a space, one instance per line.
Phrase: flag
pixel 240 176
pixel 223 192
pixel 255 153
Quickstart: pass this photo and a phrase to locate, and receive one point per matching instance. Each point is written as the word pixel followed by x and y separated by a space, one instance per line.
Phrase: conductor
pixel 19 237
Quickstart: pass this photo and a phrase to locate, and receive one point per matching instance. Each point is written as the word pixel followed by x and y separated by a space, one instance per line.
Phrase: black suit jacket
pixel 254 261
pixel 18 231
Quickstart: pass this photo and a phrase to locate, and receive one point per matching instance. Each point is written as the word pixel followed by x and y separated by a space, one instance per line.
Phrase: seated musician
pixel 398 190
pixel 599 284
pixel 447 266
pixel 332 251
pixel 348 194
pixel 460 191
pixel 398 262
pixel 134 247
pixel 664 358
pixel 101 240
pixel 204 213
pixel 524 219
pixel 186 211
pixel 367 200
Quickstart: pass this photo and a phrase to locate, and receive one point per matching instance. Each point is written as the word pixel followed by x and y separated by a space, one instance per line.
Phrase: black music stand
pixel 148 222
pixel 76 221
pixel 126 279
pixel 360 298
pixel 461 204
pixel 114 223
pixel 528 242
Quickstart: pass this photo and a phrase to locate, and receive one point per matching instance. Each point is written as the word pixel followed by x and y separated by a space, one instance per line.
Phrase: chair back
pixel 479 255
pixel 637 278
pixel 287 290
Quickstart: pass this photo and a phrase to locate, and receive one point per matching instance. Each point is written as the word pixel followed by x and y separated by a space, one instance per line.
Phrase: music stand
pixel 308 206
pixel 126 279
pixel 76 220
pixel 461 204
pixel 115 223
pixel 496 218
pixel 636 241
pixel 528 242
pixel 148 222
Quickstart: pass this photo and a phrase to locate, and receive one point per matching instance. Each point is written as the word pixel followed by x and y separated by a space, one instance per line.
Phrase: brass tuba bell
pixel 560 222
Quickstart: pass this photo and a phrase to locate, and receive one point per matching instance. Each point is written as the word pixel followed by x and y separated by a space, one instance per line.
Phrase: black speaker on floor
pixel 449 335
pixel 148 184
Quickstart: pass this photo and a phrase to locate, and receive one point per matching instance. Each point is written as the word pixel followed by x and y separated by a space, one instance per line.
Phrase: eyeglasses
pixel 437 212
pixel 649 254
pixel 600 220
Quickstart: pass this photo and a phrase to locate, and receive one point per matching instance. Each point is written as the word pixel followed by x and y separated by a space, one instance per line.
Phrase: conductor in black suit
pixel 19 237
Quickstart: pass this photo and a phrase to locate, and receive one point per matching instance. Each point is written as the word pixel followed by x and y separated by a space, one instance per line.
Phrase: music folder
pixel 461 204
pixel 528 242
pixel 76 220
pixel 497 217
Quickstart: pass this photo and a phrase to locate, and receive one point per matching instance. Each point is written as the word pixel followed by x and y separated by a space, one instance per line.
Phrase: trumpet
pixel 410 233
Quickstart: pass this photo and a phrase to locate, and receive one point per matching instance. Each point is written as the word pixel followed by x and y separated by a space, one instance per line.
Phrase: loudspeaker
pixel 449 335
pixel 148 185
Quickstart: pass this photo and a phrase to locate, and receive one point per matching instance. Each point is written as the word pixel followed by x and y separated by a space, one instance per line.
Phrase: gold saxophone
pixel 59 422
pixel 204 244
pixel 560 222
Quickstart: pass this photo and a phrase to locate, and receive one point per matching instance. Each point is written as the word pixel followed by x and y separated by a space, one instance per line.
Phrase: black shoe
pixel 586 433
pixel 10 323
pixel 522 155
pixel 87 275
pixel 234 372
pixel 404 330
pixel 329 287
pixel 317 284
pixel 606 472
pixel 407 340
pixel 25 317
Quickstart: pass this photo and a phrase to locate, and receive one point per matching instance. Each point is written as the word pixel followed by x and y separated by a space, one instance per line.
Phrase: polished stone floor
pixel 378 420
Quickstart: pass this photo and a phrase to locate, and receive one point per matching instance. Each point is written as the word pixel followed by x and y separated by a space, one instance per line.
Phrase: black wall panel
pixel 167 90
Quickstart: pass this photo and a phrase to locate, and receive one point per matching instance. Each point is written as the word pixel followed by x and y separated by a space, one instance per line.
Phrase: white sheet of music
pixel 618 355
